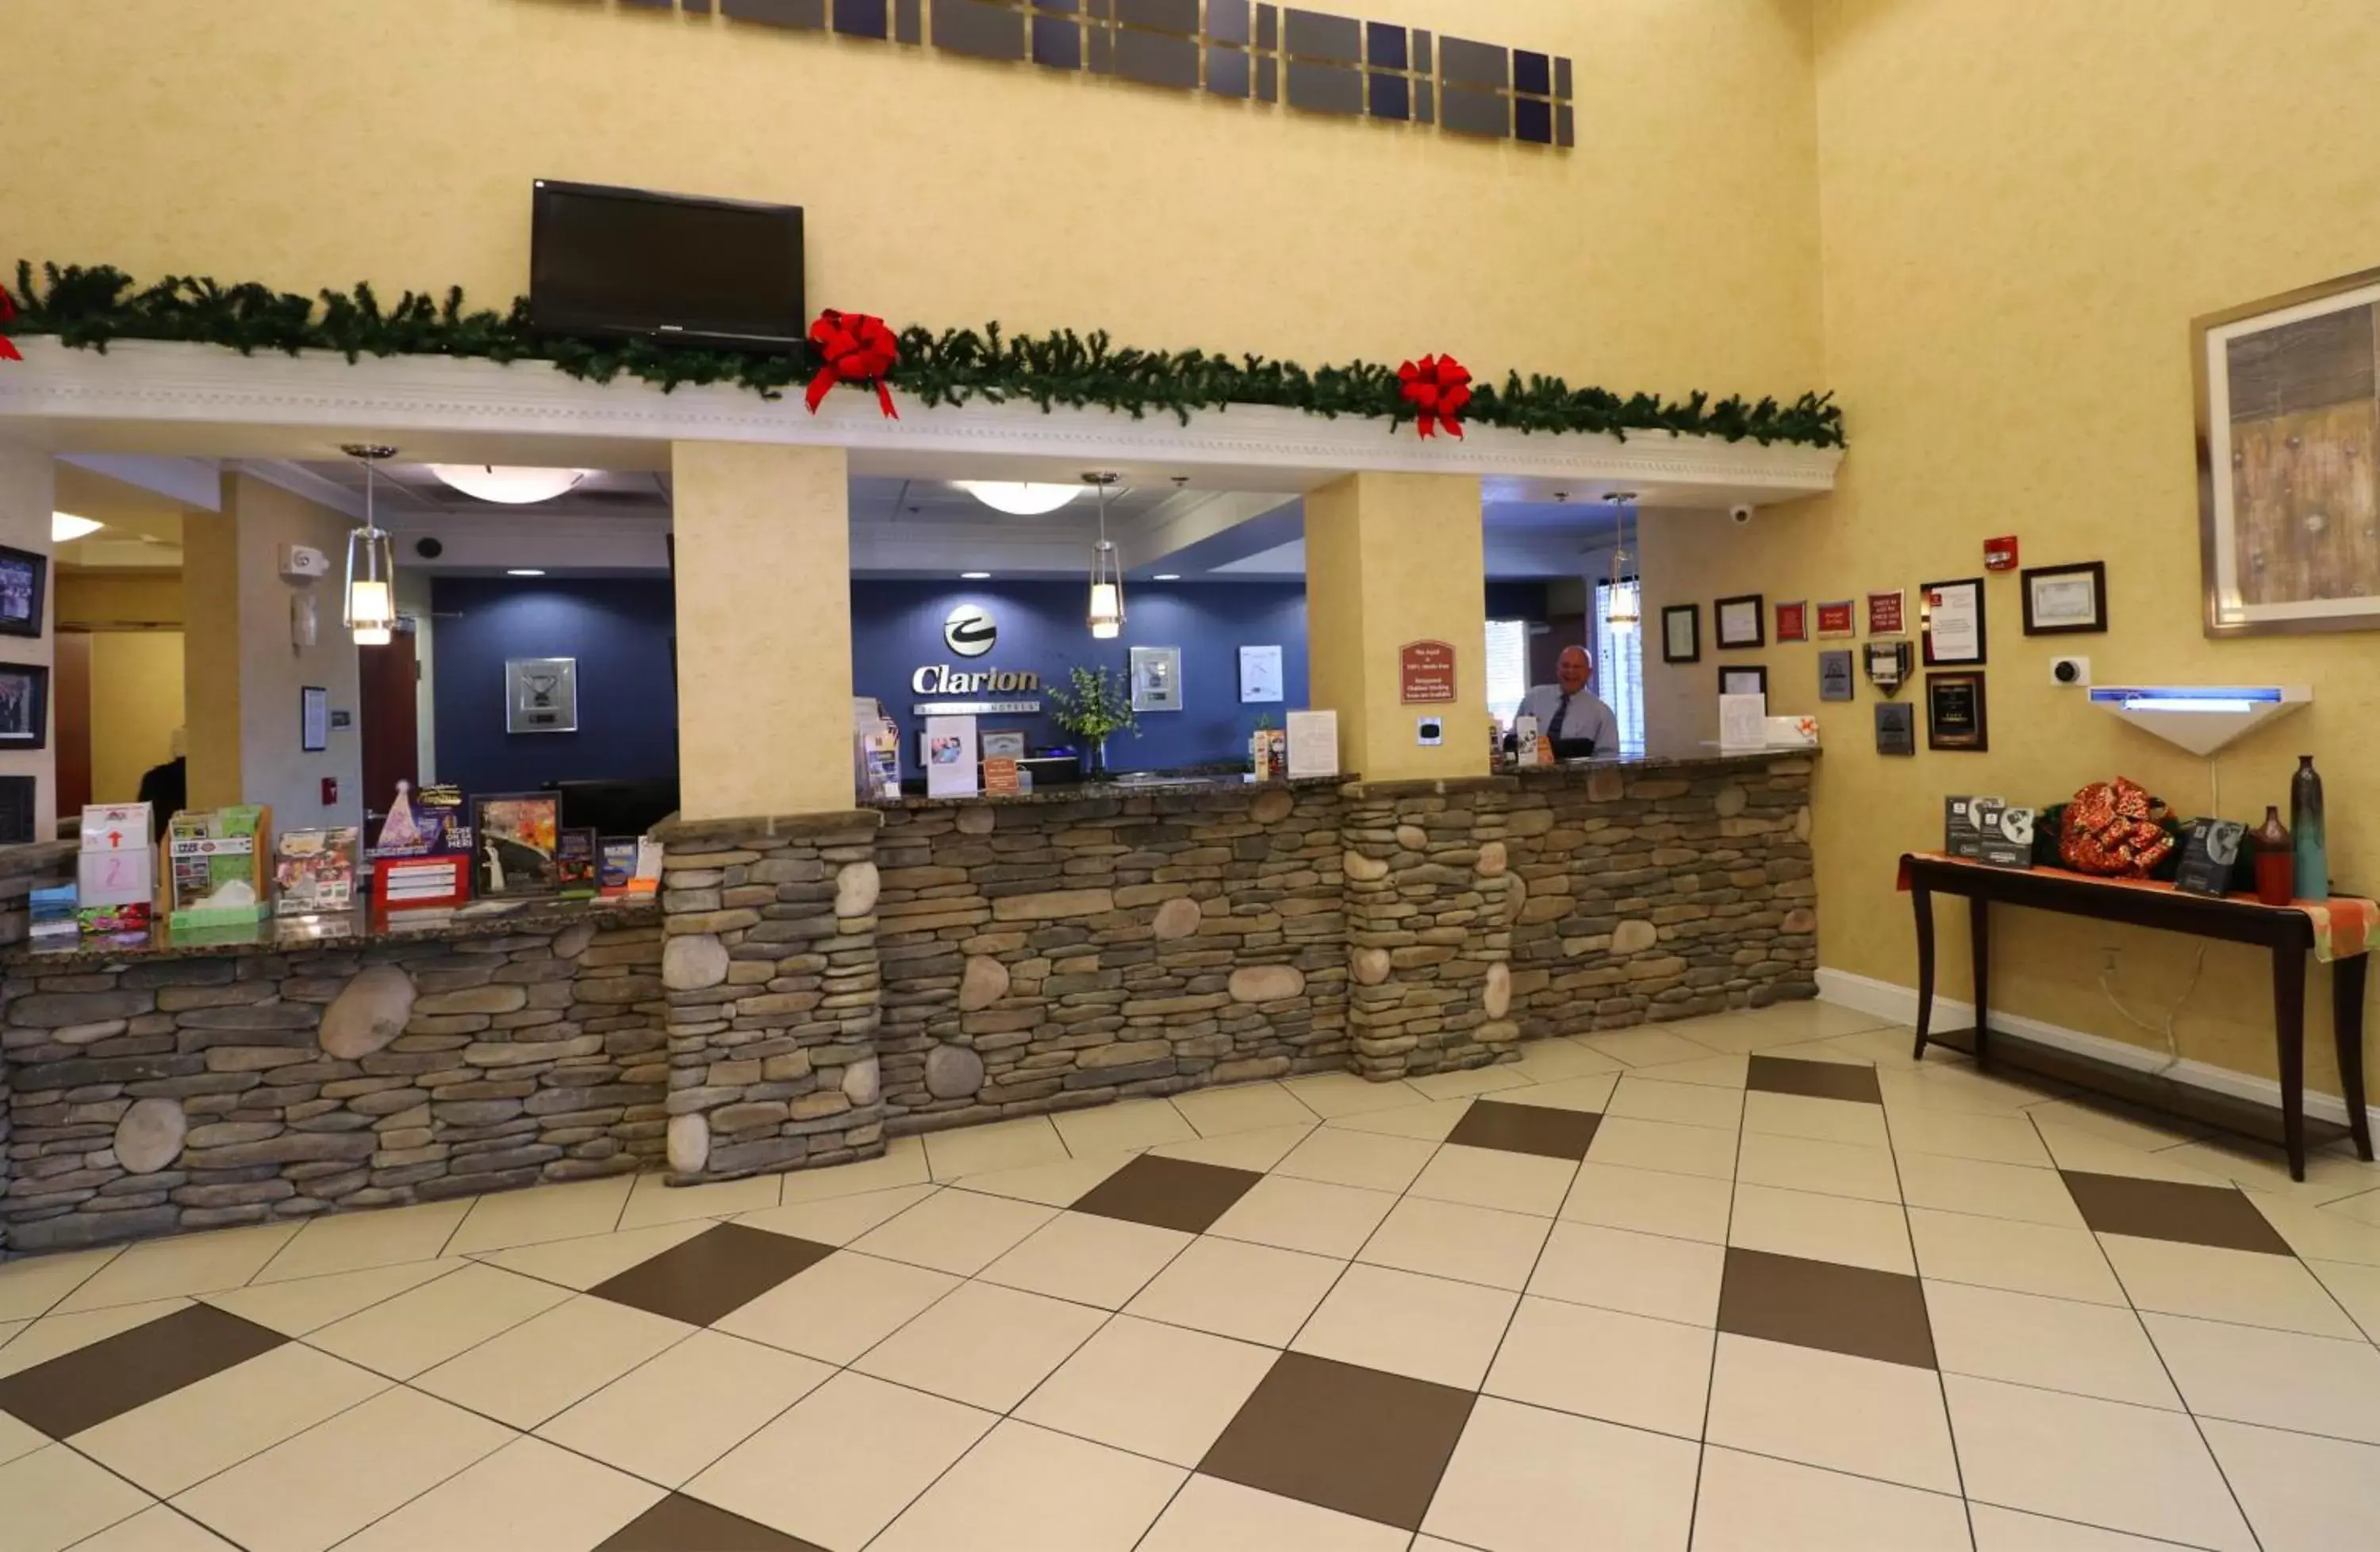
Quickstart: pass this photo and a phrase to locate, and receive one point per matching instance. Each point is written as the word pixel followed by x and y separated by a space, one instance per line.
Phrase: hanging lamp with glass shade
pixel 1624 613
pixel 370 609
pixel 1106 616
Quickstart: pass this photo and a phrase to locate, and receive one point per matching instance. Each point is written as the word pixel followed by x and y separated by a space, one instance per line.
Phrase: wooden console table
pixel 2339 930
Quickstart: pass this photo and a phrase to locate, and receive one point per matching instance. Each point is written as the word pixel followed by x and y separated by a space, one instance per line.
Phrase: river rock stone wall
pixel 144 1097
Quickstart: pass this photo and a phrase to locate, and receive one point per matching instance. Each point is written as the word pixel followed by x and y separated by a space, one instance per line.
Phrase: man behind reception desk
pixel 1568 713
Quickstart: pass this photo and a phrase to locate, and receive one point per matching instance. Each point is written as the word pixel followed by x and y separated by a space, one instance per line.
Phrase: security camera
pixel 429 549
pixel 1740 514
pixel 2072 671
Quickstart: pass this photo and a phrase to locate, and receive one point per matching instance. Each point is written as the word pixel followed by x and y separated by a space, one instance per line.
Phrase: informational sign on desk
pixel 1426 672
pixel 1313 745
pixel 950 756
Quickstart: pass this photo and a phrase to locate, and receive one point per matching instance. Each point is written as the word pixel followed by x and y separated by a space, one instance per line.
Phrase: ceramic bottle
pixel 2275 864
pixel 2306 824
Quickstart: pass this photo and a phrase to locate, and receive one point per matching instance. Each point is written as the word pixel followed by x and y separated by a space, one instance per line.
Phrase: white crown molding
pixel 202 395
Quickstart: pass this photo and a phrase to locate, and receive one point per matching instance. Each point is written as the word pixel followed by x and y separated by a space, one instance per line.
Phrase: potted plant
pixel 1093 704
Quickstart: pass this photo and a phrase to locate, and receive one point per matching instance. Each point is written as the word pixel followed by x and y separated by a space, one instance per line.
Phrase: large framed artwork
pixel 2288 412
pixel 24 584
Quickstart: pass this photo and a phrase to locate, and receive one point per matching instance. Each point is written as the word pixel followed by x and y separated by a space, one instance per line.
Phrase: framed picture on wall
pixel 1794 622
pixel 542 694
pixel 1002 743
pixel 24 706
pixel 2065 600
pixel 1837 619
pixel 518 835
pixel 1157 678
pixel 1682 633
pixel 313 719
pixel 1737 622
pixel 1951 621
pixel 1260 675
pixel 24 586
pixel 1742 680
pixel 1954 712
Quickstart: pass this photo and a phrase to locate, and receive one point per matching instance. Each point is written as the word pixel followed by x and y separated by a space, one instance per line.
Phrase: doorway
pixel 391 713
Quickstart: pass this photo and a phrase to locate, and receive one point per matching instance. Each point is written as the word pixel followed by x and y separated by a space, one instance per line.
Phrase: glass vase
pixel 2275 862
pixel 2312 836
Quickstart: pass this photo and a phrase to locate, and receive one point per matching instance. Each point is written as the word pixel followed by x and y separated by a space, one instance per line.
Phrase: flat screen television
pixel 613 262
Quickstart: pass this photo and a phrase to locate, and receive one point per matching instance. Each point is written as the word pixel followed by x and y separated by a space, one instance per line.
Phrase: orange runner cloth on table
pixel 2344 924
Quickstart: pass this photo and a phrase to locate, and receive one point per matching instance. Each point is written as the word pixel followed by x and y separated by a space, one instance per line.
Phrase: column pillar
pixel 1391 559
pixel 28 493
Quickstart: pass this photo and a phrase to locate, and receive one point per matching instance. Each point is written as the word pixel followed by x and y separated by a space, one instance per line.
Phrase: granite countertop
pixel 1681 755
pixel 1153 783
pixel 298 934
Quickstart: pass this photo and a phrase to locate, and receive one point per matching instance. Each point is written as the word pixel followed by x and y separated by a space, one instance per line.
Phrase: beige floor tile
pixel 1986 1190
pixel 1526 1183
pixel 2363 1209
pixel 1032 1490
pixel 17 1439
pixel 1451 1239
pixel 1655 1099
pixel 1650 1202
pixel 1242 1108
pixel 543 1365
pixel 1154 1390
pixel 2302 1495
pixel 1331 1094
pixel 1833 1168
pixel 2243 1286
pixel 308 1303
pixel 1429 1119
pixel 1365 1159
pixel 1838 1228
pixel 1090 1260
pixel 1467 1082
pixel 1588 1094
pixel 29 1288
pixel 179 1440
pixel 1053 1185
pixel 2059 1344
pixel 2135 1128
pixel 1563 1061
pixel 839 1309
pixel 1710 1072
pixel 1958 1086
pixel 581 1264
pixel 1258 1151
pixel 668 1419
pixel 8 1328
pixel 1749 1503
pixel 308 1491
pixel 1646 1047
pixel 1889 1046
pixel 2356 1287
pixel 1423 1326
pixel 1213 1515
pixel 1827 1050
pixel 1951 1134
pixel 528 1497
pixel 655 1202
pixel 1524 1479
pixel 836 1468
pixel 1126 1126
pixel 904 1164
pixel 2281 1379
pixel 1660 1144
pixel 2006 1530
pixel 161 1529
pixel 837 1220
pixel 1306 1214
pixel 1859 1415
pixel 1255 1292
pixel 2022 1258
pixel 2320 1234
pixel 184 1266
pixel 957 1232
pixel 353 1242
pixel 986 1346
pixel 1814 1019
pixel 1004 1145
pixel 417 1330
pixel 1641 1274
pixel 53 1497
pixel 2330 1176
pixel 1622 1368
pixel 1742 1034
pixel 61 1334
pixel 2090 1151
pixel 549 1212
pixel 2129 1469
pixel 1820 1121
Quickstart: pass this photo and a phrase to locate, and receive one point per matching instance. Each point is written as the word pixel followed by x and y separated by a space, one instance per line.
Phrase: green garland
pixel 88 309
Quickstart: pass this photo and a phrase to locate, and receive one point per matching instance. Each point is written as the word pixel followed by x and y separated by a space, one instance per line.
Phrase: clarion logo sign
pixel 942 679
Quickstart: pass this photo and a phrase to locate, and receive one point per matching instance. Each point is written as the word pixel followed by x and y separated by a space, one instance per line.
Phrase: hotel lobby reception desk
pixel 816 983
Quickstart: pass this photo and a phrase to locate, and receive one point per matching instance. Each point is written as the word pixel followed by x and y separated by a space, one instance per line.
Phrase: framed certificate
pixel 2065 600
pixel 1259 675
pixel 1743 681
pixel 1951 620
pixel 1737 622
pixel 1682 633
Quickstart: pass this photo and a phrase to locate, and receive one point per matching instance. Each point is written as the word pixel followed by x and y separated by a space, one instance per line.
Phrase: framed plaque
pixel 1896 728
pixel 1837 620
pixel 1884 615
pixel 1156 678
pixel 1793 622
pixel 2065 600
pixel 1742 680
pixel 1951 620
pixel 1955 714
pixel 1835 679
pixel 1682 633
pixel 1426 672
pixel 1736 622
pixel 542 695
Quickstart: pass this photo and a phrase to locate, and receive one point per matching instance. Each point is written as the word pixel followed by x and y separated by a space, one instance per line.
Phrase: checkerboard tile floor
pixel 1754 1281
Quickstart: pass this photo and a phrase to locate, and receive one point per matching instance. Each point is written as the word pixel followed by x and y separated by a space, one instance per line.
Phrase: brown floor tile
pixel 1354 1439
pixel 1537 1129
pixel 85 1388
pixel 1818 1080
pixel 712 1275
pixel 1169 1192
pixel 2149 1209
pixel 678 1523
pixel 1852 1310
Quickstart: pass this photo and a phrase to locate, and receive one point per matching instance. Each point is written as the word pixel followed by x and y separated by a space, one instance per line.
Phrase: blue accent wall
pixel 896 628
pixel 619 631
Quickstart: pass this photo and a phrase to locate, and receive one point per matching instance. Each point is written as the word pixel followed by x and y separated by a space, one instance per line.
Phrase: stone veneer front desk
pixel 814 983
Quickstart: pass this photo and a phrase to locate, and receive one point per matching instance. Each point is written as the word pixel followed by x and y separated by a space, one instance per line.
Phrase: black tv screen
pixel 626 261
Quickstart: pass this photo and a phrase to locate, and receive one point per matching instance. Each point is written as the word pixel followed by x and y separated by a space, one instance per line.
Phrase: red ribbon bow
pixel 7 311
pixel 1437 387
pixel 857 348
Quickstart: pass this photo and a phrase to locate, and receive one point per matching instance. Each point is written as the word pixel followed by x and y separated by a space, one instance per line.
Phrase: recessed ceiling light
pixel 975 577
pixel 523 571
pixel 66 528
pixel 1167 576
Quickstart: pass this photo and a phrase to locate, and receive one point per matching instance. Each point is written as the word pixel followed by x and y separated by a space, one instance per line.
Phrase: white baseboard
pixel 1887 1000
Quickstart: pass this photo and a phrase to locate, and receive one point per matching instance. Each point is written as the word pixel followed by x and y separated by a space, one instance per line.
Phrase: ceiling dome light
pixel 66 528
pixel 511 484
pixel 1018 498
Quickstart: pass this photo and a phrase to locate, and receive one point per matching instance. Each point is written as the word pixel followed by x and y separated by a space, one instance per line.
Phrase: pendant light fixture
pixel 370 612
pixel 1106 572
pixel 1019 497
pixel 1624 613
pixel 510 484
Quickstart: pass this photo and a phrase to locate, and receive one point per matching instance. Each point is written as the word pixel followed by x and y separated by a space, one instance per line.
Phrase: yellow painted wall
pixel 314 142
pixel 2024 204
pixel 110 600
pixel 136 704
